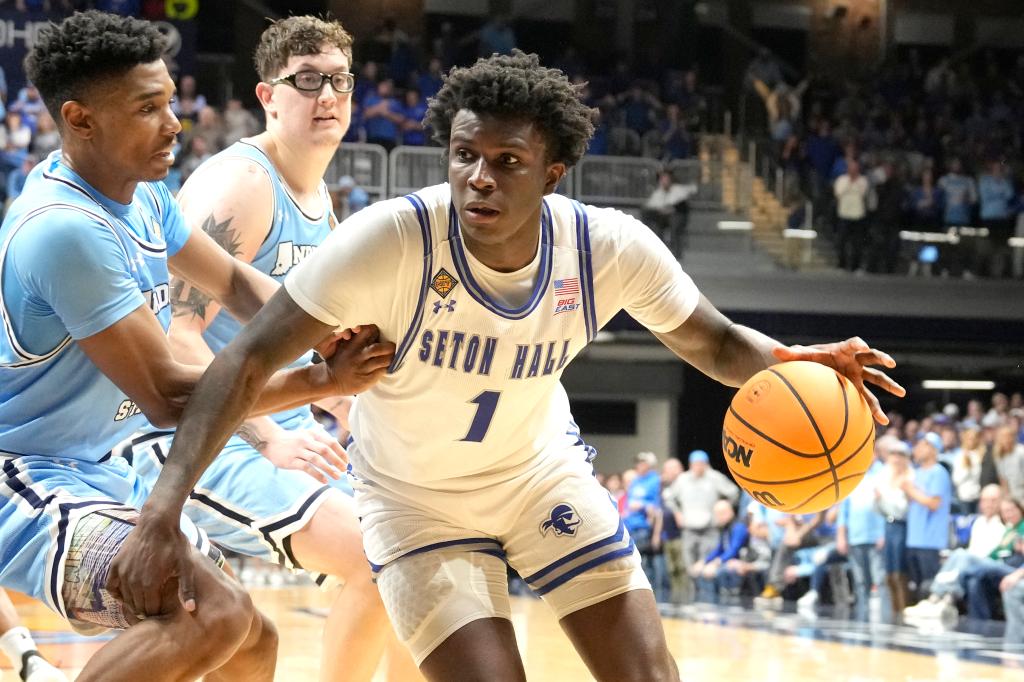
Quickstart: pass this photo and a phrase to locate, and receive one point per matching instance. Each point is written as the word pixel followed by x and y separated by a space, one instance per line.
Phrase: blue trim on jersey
pixel 582 568
pixel 586 268
pixel 574 430
pixel 478 293
pixel 428 267
pixel 620 534
pixel 498 552
pixel 19 488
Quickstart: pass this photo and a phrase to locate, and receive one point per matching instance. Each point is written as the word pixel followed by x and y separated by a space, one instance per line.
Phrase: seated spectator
pixel 709 572
pixel 750 568
pixel 1008 456
pixel 965 574
pixel 928 513
pixel 1012 587
pixel 210 127
pixel 799 531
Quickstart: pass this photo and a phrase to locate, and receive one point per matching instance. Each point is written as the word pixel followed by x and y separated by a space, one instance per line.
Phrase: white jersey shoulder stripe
pixel 423 216
pixel 478 293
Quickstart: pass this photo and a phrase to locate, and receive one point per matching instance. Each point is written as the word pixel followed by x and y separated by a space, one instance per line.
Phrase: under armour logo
pixel 562 520
pixel 449 306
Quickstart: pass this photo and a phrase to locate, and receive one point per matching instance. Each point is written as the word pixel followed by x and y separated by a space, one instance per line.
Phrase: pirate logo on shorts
pixel 562 519
pixel 443 283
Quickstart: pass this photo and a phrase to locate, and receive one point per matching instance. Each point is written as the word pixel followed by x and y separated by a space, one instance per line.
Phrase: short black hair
pixel 69 57
pixel 516 86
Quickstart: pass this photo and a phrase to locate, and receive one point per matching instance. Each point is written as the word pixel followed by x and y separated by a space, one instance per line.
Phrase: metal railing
pixel 367 164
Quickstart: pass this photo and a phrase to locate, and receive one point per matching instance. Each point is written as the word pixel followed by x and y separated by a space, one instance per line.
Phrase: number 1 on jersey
pixel 486 403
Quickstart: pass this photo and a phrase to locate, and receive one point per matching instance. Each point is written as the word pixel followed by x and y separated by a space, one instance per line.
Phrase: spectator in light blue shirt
pixel 928 513
pixel 960 193
pixel 643 501
pixel 860 536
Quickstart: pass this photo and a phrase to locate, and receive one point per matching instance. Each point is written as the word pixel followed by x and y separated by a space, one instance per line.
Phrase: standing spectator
pixel 926 203
pixel 1008 455
pixel 860 535
pixel 891 502
pixel 430 81
pixel 928 512
pixel 412 125
pixel 47 137
pixel 667 210
pixel 967 470
pixel 672 534
pixel 710 572
pixel 822 150
pixel 851 190
pixel 884 244
pixel 239 122
pixel 382 116
pixel 996 193
pixel 187 103
pixel 497 36
pixel 691 499
pixel 643 497
pixel 960 193
pixel 16 179
pixel 210 127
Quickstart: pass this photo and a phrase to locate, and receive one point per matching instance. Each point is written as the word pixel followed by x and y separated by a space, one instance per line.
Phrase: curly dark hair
pixel 70 57
pixel 297 36
pixel 516 86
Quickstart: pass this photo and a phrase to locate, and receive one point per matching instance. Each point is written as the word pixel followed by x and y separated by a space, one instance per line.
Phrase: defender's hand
pixel 851 358
pixel 311 450
pixel 154 554
pixel 359 363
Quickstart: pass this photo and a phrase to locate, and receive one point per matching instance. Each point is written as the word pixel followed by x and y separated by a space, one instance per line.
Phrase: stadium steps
pixel 769 218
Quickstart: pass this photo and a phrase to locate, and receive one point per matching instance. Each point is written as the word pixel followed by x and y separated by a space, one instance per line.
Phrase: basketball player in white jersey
pixel 263 199
pixel 466 455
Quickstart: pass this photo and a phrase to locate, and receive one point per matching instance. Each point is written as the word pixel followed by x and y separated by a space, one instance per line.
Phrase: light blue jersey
pixel 244 502
pixel 293 235
pixel 72 263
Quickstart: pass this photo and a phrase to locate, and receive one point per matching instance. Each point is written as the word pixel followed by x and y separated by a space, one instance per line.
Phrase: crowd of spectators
pixel 935 529
pixel 911 147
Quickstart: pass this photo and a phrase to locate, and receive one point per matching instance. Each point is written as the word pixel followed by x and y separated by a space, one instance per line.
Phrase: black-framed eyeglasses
pixel 313 81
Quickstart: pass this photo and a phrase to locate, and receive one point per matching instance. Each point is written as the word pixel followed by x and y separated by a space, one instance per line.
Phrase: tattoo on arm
pixel 185 298
pixel 249 435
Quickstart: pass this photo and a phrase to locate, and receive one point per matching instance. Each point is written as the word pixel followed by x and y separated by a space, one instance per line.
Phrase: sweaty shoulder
pixel 229 187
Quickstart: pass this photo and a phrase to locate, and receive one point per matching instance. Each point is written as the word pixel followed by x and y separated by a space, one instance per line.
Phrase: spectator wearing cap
pixel 643 503
pixel 691 500
pixel 929 496
pixel 672 535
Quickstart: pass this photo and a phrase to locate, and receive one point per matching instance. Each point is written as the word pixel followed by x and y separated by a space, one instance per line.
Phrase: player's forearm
pixel 742 353
pixel 249 290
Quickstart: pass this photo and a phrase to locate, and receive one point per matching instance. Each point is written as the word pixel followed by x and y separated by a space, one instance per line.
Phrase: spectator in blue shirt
pixel 960 194
pixel 733 534
pixel 930 495
pixel 997 214
pixel 382 116
pixel 643 500
pixel 860 536
pixel 413 112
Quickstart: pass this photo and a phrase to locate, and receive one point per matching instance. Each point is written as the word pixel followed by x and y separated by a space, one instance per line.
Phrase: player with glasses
pixel 341 82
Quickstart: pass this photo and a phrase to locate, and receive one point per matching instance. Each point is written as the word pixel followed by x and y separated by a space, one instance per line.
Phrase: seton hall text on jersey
pixel 289 255
pixel 471 353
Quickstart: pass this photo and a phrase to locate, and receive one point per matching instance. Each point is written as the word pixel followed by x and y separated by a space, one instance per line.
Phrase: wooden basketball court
pixel 710 643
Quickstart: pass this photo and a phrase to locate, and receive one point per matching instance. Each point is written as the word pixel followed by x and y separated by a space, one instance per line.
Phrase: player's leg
pixel 572 549
pixel 17 644
pixel 357 627
pixel 451 609
pixel 224 638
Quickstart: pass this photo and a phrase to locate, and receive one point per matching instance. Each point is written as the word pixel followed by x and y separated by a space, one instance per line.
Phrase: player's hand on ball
pixel 359 363
pixel 153 556
pixel 853 359
pixel 311 450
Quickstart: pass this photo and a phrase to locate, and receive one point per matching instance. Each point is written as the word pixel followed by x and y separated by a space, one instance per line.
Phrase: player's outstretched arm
pixel 228 391
pixel 732 353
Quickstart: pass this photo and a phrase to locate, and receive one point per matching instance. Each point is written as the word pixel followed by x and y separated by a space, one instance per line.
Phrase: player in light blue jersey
pixel 465 454
pixel 264 201
pixel 84 360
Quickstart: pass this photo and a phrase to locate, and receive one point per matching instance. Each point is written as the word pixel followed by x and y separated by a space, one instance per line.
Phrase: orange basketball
pixel 798 437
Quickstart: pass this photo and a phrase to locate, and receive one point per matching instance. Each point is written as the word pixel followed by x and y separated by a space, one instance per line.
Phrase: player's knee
pixel 225 615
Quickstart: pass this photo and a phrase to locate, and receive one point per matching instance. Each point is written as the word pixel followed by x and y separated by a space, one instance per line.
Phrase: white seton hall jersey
pixel 293 235
pixel 474 389
pixel 72 263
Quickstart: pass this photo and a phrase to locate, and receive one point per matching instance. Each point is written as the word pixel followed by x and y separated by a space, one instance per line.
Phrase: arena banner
pixel 18 31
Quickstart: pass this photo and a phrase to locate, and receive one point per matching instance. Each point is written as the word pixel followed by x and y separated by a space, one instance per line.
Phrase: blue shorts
pixel 42 500
pixel 243 501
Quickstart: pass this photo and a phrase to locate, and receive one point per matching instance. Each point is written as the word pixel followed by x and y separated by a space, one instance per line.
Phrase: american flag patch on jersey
pixel 567 287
